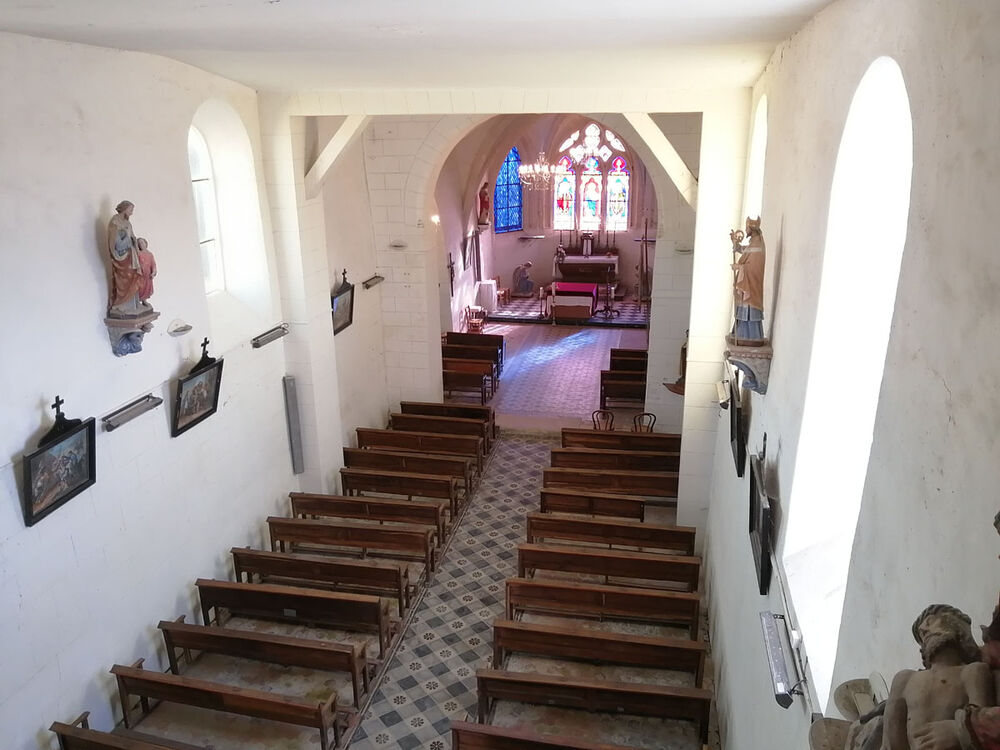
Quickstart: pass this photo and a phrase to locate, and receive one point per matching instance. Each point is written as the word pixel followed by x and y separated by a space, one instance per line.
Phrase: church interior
pixel 305 262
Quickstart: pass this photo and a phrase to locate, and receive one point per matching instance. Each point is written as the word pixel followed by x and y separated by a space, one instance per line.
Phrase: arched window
pixel 618 187
pixel 865 237
pixel 590 195
pixel 564 195
pixel 207 210
pixel 507 195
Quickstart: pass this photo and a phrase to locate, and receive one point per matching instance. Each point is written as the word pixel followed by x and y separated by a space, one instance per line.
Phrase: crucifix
pixel 204 347
pixel 451 274
pixel 57 406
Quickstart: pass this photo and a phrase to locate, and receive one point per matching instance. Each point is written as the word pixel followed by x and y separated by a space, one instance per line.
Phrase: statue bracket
pixel 126 333
pixel 753 359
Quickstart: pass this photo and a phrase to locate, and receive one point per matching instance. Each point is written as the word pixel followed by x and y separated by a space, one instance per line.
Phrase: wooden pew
pixel 468 736
pixel 642 566
pixel 602 458
pixel 402 541
pixel 405 483
pixel 642 354
pixel 572 500
pixel 423 442
pixel 295 604
pixel 574 642
pixel 458 467
pixel 77 735
pixel 363 576
pixel 628 364
pixel 662 701
pixel 473 351
pixel 649 536
pixel 572 598
pixel 645 483
pixel 574 437
pixel 452 410
pixel 443 425
pixel 479 339
pixel 146 684
pixel 266 647
pixel 480 367
pixel 307 505
pixel 622 385
pixel 456 380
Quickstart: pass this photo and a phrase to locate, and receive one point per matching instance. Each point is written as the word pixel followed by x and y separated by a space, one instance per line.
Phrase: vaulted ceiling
pixel 294 45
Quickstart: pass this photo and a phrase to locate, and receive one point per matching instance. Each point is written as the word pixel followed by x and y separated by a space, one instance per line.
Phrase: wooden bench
pixel 146 684
pixel 575 437
pixel 644 483
pixel 572 598
pixel 600 458
pixel 307 505
pixel 622 385
pixel 295 604
pixel 572 500
pixel 629 364
pixel 621 353
pixel 405 483
pixel 468 736
pixel 479 339
pixel 456 380
pixel 642 566
pixel 452 410
pixel 649 536
pixel 473 351
pixel 443 425
pixel 423 442
pixel 266 647
pixel 458 467
pixel 574 642
pixel 402 541
pixel 692 704
pixel 480 367
pixel 364 576
pixel 77 735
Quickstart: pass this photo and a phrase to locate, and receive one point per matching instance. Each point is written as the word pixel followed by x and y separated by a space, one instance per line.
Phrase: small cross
pixel 204 347
pixel 57 404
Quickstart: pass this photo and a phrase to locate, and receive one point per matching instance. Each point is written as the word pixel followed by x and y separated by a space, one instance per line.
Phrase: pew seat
pixel 403 483
pixel 458 467
pixel 636 568
pixel 642 483
pixel 459 380
pixel 452 410
pixel 310 505
pixel 77 735
pixel 649 537
pixel 424 442
pixel 573 500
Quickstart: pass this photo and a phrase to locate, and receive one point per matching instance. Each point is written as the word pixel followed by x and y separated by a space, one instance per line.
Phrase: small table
pixel 486 295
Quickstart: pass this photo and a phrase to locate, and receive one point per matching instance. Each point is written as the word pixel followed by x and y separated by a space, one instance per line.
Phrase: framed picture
pixel 342 301
pixel 59 471
pixel 197 397
pixel 760 525
pixel 737 424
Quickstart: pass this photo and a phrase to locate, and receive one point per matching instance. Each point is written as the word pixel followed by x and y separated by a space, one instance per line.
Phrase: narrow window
pixel 207 211
pixel 564 195
pixel 507 195
pixel 590 195
pixel 617 220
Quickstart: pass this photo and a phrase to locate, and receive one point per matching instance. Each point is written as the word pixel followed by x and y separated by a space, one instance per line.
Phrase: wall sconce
pixel 774 646
pixel 722 391
pixel 130 411
pixel 436 220
pixel 268 336
pixel 372 281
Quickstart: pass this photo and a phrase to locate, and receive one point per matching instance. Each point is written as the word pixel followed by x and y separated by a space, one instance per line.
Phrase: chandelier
pixel 536 176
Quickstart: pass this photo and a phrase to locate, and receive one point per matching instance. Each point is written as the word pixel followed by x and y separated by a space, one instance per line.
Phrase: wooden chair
pixel 475 318
pixel 603 419
pixel 643 422
pixel 503 292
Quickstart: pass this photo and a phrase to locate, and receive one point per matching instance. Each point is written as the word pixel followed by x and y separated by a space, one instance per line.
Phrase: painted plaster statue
pixel 748 282
pixel 127 278
pixel 522 285
pixel 922 705
pixel 484 204
pixel 147 266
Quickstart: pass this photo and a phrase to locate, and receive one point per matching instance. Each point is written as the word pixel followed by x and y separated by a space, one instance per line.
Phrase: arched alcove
pixel 753 196
pixel 866 234
pixel 243 305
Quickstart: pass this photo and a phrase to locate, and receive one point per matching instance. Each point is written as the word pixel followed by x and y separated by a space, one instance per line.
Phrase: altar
pixel 590 268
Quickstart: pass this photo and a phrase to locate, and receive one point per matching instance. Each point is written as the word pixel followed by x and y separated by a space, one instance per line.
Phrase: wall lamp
pixel 268 336
pixel 130 411
pixel 372 281
pixel 775 648
pixel 722 391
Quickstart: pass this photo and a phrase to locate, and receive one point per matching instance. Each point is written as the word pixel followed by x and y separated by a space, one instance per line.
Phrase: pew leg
pixel 123 697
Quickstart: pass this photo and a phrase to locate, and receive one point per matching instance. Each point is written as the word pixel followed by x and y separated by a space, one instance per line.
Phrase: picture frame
pixel 197 397
pixel 760 525
pixel 342 304
pixel 60 469
pixel 737 425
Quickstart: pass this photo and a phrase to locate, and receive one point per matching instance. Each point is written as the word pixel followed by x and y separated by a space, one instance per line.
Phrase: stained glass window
pixel 617 219
pixel 564 195
pixel 590 195
pixel 507 195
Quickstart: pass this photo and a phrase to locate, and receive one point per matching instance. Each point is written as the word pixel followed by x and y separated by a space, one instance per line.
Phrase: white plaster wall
pixel 925 532
pixel 361 359
pixel 84 128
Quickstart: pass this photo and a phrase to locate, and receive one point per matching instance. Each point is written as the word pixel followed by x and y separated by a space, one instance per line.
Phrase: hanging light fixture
pixel 536 176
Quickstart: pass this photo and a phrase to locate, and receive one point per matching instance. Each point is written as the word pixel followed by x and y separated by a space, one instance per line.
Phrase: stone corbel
pixel 753 361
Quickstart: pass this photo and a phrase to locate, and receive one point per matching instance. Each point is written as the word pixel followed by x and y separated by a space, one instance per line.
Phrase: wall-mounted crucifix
pixel 451 274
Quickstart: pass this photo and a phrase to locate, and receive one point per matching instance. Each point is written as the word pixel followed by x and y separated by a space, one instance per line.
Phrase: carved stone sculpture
pixel 748 349
pixel 129 315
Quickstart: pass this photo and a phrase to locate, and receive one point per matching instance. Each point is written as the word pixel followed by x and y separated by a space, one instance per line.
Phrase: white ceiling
pixel 319 44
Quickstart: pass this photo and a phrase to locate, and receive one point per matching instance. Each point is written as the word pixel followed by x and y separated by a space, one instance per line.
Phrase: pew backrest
pixel 596 458
pixel 651 537
pixel 573 437
pixel 614 481
pixel 573 500
pixel 680 570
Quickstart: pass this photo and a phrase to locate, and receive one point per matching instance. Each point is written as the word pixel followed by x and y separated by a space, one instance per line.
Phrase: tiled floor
pixel 431 678
pixel 528 310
